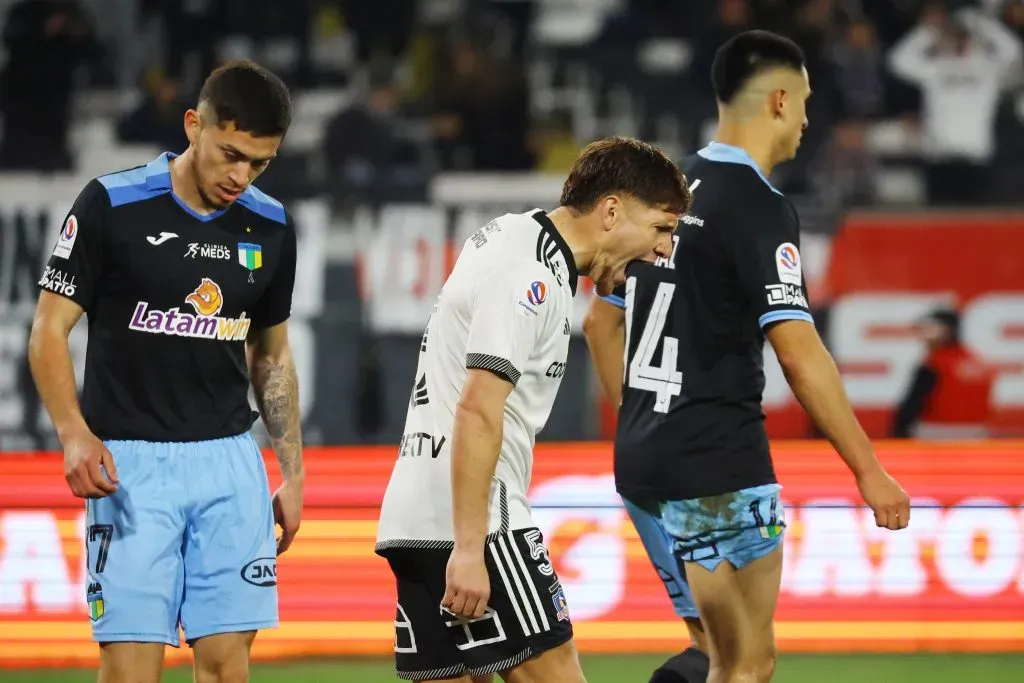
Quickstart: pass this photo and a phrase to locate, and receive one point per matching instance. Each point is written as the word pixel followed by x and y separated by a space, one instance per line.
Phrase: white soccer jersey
pixel 505 308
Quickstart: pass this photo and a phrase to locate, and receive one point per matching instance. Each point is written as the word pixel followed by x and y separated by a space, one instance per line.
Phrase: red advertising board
pixel 953 581
pixel 885 271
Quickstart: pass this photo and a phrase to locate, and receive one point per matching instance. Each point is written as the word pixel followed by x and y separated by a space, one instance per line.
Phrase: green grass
pixel 918 668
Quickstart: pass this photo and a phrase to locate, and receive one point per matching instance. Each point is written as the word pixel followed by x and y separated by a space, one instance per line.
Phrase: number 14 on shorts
pixel 665 380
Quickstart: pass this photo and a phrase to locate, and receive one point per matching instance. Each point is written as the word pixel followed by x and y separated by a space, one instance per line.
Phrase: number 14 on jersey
pixel 664 379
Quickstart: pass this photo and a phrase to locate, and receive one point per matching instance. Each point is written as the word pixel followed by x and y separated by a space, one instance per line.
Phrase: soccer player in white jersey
pixel 477 594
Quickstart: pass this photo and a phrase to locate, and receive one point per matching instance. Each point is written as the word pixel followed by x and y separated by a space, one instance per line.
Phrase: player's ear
pixel 192 125
pixel 777 102
pixel 611 211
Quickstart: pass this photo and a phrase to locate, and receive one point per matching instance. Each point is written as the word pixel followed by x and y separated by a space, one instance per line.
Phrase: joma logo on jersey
pixel 206 301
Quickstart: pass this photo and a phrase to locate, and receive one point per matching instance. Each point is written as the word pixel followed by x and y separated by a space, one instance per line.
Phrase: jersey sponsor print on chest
pixel 208 251
pixel 206 301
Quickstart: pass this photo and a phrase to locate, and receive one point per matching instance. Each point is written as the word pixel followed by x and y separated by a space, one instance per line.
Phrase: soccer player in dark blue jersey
pixel 679 350
pixel 185 272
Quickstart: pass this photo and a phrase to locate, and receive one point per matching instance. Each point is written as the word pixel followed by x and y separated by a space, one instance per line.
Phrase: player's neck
pixel 577 234
pixel 749 137
pixel 183 183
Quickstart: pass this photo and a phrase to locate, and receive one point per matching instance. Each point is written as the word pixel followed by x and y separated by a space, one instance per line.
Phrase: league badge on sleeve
pixel 537 293
pixel 67 238
pixel 787 261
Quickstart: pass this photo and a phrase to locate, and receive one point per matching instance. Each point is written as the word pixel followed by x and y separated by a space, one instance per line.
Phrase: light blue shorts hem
pixel 739 527
pixel 231 628
pixel 136 638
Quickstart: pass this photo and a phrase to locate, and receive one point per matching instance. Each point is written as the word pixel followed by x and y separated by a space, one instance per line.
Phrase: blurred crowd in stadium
pixel 910 95
pixel 417 120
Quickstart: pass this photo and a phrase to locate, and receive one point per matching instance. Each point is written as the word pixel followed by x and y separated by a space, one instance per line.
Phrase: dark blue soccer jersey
pixel 691 423
pixel 170 296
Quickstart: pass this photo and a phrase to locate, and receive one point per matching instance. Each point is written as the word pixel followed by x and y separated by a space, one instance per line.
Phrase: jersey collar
pixel 158 179
pixel 718 151
pixel 546 226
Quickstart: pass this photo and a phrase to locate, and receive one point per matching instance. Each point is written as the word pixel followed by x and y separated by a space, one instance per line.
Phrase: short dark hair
pixel 629 166
pixel 749 54
pixel 250 96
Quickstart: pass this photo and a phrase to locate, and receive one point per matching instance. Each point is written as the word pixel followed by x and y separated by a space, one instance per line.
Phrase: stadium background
pixel 416 121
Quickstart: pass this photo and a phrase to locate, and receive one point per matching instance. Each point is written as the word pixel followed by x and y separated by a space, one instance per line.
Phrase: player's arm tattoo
pixel 276 386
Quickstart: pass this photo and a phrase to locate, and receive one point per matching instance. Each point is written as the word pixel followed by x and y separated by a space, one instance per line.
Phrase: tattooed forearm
pixel 277 393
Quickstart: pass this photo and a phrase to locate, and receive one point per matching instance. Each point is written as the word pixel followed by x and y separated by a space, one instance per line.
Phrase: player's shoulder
pixel 263 205
pixel 510 239
pixel 512 247
pixel 729 186
pixel 135 184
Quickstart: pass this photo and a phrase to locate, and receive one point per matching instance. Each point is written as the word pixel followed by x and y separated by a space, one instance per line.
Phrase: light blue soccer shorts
pixel 188 539
pixel 738 528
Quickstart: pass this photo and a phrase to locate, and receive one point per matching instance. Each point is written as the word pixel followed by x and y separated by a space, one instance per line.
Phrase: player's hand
pixel 85 461
pixel 886 498
pixel 287 504
pixel 468 587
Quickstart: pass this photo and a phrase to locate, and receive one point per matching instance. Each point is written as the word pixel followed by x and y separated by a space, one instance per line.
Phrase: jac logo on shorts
pixel 787 262
pixel 207 301
pixel 58 281
pixel 68 235
pixel 786 295
pixel 211 251
pixel 261 572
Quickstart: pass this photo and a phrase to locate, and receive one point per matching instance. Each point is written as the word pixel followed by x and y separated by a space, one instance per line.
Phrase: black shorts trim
pixel 527 613
pixel 499 366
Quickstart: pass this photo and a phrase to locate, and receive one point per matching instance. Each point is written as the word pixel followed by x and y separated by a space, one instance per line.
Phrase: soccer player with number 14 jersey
pixel 679 349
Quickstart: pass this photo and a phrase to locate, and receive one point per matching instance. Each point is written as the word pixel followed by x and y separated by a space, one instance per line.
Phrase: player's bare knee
pixel 764 665
pixel 232 671
pixel 223 658
pixel 557 665
pixel 698 636
pixel 131 662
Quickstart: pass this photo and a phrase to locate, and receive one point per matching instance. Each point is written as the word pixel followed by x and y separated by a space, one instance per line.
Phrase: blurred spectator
pixel 961 63
pixel 481 113
pixel 362 145
pixel 732 17
pixel 1013 15
pixel 158 120
pixel 382 28
pixel 950 394
pixel 191 29
pixel 554 144
pixel 861 99
pixel 46 41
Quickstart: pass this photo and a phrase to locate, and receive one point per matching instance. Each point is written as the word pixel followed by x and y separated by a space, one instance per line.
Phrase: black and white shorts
pixel 526 615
